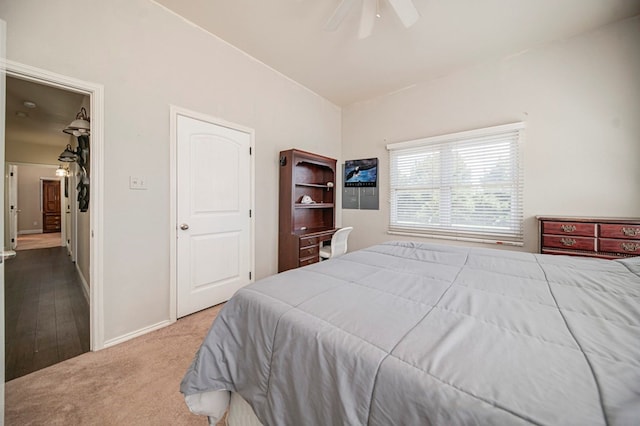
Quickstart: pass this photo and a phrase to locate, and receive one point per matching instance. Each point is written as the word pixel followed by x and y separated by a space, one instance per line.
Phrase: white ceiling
pixel 288 36
pixel 42 125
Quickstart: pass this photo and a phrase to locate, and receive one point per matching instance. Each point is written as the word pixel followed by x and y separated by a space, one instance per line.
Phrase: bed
pixel 415 334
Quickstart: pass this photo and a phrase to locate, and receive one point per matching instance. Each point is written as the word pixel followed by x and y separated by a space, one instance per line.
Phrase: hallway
pixel 37 241
pixel 46 312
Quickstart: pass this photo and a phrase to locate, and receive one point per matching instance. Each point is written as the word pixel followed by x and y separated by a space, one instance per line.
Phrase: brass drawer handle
pixel 631 232
pixel 567 242
pixel 568 228
pixel 630 246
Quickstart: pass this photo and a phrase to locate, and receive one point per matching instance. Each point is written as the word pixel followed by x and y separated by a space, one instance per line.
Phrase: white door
pixel 214 242
pixel 13 206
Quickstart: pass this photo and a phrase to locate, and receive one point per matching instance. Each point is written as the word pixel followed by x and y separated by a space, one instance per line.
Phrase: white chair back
pixel 339 241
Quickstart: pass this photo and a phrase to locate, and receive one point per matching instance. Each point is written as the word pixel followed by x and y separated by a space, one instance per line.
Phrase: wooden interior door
pixel 51 221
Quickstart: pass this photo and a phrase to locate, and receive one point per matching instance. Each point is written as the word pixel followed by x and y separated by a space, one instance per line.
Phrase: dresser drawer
pixel 606 238
pixel 569 228
pixel 569 242
pixel 50 220
pixel 308 261
pixel 615 230
pixel 308 251
pixel 619 246
pixel 309 241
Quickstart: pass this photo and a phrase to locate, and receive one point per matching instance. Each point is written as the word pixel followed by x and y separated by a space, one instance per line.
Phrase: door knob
pixel 184 226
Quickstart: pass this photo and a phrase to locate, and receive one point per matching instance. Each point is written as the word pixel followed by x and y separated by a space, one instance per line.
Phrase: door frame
pixel 174 112
pixel 96 203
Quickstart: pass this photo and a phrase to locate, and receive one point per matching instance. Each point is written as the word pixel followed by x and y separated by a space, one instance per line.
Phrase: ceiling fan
pixel 405 10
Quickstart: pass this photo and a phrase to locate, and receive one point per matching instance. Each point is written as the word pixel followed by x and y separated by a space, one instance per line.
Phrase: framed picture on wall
pixel 361 173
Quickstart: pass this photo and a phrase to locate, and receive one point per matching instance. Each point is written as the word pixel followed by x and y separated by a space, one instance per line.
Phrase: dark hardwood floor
pixel 46 313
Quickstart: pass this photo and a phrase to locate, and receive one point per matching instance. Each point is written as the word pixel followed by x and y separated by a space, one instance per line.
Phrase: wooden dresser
pixel 51 222
pixel 607 238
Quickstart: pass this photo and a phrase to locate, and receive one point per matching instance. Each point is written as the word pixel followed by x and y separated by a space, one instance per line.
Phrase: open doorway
pixel 38 207
pixel 47 315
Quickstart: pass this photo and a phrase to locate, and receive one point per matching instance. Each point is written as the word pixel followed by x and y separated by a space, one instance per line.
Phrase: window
pixel 461 186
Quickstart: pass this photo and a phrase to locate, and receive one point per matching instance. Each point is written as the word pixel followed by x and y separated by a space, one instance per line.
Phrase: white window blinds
pixel 466 185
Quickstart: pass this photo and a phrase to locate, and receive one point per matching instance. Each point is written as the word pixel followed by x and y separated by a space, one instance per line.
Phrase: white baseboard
pixel 125 337
pixel 137 333
pixel 85 285
pixel 30 231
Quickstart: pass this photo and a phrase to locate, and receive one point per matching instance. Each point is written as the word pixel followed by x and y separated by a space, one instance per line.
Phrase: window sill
pixel 457 238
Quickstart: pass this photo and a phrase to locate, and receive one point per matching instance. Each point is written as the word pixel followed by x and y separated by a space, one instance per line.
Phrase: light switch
pixel 137 182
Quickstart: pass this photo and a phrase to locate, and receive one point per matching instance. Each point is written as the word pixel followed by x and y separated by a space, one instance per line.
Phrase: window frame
pixel 512 234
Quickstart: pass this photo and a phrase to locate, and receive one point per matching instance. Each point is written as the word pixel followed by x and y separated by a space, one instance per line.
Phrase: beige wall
pixel 579 98
pixel 147 59
pixel 32 153
pixel 83 249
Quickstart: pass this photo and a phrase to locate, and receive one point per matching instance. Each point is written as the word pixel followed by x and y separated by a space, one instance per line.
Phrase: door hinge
pixel 249 212
pixel 250 151
pixel 11 174
pixel 249 274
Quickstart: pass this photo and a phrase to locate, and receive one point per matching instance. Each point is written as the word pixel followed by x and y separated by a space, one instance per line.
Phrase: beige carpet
pixel 133 383
pixel 36 241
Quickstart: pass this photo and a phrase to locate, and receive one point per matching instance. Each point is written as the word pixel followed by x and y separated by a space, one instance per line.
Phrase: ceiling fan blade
pixel 367 18
pixel 406 11
pixel 338 15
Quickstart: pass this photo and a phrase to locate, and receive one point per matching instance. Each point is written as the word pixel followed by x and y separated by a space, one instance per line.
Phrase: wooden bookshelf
pixel 305 226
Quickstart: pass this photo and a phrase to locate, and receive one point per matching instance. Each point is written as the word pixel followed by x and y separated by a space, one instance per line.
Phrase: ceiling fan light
pixel 404 9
